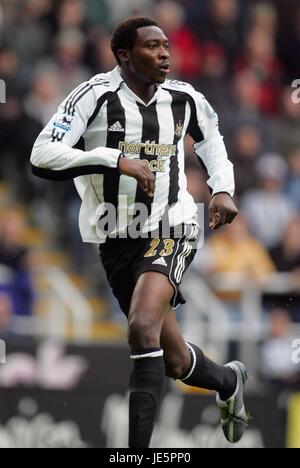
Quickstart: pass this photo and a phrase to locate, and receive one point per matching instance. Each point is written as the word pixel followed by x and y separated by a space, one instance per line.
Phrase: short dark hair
pixel 125 34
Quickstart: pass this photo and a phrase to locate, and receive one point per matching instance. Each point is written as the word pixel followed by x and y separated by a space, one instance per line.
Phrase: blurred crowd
pixel 243 55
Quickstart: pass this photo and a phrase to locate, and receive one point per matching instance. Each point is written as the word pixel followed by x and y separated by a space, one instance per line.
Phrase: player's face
pixel 149 59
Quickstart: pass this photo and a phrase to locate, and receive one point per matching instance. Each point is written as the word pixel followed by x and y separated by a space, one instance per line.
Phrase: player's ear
pixel 123 55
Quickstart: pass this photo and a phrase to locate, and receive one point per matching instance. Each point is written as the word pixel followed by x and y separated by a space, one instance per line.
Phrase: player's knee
pixel 175 369
pixel 143 333
pixel 177 364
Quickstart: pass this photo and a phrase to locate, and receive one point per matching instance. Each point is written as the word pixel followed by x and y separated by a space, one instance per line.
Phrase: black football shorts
pixel 124 260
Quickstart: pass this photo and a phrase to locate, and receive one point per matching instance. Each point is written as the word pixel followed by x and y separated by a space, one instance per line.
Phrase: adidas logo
pixel 116 127
pixel 160 261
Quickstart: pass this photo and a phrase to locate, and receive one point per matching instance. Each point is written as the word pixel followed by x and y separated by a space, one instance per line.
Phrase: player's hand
pixel 222 210
pixel 140 170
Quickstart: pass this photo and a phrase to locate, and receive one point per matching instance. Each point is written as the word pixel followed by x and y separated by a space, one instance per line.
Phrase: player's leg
pixel 199 371
pixel 150 303
pixel 188 363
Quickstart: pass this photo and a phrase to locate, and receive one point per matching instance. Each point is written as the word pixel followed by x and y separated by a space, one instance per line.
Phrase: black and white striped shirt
pixel 103 118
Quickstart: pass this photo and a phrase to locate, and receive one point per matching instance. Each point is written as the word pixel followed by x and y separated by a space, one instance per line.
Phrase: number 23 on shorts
pixel 166 252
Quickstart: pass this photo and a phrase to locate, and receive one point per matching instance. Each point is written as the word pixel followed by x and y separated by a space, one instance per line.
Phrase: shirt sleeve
pixel 58 152
pixel 209 145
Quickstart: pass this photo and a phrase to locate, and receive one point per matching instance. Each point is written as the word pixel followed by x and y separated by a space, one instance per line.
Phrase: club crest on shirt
pixel 179 129
pixel 63 122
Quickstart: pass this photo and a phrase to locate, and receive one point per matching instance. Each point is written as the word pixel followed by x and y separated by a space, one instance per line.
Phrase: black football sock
pixel 204 373
pixel 146 385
